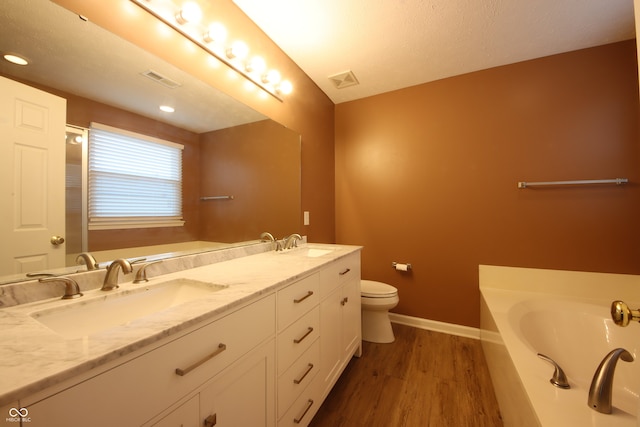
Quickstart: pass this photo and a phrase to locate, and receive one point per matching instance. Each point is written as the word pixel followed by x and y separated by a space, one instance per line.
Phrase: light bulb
pixel 272 77
pixel 256 65
pixel 238 50
pixel 190 12
pixel 215 33
pixel 285 87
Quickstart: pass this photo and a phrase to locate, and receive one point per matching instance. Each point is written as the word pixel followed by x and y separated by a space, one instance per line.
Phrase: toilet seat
pixel 373 289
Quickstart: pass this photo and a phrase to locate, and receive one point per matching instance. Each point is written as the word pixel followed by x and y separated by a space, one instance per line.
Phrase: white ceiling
pixel 392 44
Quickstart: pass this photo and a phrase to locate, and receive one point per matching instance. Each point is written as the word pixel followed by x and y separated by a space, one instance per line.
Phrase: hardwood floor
pixel 423 379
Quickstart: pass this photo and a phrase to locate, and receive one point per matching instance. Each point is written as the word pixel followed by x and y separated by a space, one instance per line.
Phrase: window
pixel 134 180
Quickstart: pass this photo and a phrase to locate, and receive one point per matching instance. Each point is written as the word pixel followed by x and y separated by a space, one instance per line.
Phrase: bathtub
pixel 564 315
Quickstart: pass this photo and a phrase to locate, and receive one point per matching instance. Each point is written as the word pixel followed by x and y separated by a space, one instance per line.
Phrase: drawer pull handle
pixel 342 273
pixel 183 372
pixel 299 300
pixel 299 380
pixel 299 340
pixel 210 421
pixel 344 301
pixel 309 405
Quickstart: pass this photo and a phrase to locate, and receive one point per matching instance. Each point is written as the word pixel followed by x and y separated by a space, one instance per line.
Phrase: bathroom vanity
pixel 264 348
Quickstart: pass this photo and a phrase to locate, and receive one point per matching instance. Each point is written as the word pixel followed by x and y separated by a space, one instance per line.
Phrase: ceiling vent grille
pixel 159 78
pixel 344 79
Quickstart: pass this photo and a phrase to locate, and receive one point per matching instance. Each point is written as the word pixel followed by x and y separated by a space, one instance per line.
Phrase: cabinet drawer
pixel 145 386
pixel 339 272
pixel 296 299
pixel 297 338
pixel 184 416
pixel 299 375
pixel 304 408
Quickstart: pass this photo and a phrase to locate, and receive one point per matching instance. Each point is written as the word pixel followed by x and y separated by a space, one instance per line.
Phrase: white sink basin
pixel 83 318
pixel 310 251
pixel 315 252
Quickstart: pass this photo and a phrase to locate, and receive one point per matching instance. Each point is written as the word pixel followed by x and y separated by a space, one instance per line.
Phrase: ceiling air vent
pixel 345 79
pixel 159 78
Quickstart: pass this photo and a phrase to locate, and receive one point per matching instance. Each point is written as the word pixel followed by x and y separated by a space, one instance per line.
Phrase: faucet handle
pixel 559 379
pixel 141 275
pixel 622 315
pixel 72 290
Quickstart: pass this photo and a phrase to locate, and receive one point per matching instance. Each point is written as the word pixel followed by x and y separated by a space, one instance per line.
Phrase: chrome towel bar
pixel 217 198
pixel 617 181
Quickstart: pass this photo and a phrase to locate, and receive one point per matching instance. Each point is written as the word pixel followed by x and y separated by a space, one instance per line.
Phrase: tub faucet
pixel 111 279
pixel 602 383
pixel 88 260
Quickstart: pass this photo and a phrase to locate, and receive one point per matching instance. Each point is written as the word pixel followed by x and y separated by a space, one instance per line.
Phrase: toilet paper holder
pixel 400 266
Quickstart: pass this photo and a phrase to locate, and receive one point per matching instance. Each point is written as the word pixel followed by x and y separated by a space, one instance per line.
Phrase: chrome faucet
pixel 71 290
pixel 88 260
pixel 267 237
pixel 292 241
pixel 111 279
pixel 602 383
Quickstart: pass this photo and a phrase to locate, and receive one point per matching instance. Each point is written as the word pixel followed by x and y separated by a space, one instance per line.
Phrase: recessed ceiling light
pixel 15 59
pixel 167 108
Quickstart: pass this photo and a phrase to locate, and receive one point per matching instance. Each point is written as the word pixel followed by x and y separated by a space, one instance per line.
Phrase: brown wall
pixel 307 111
pixel 258 164
pixel 428 175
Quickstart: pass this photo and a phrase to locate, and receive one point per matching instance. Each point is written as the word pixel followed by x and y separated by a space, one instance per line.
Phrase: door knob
pixel 57 240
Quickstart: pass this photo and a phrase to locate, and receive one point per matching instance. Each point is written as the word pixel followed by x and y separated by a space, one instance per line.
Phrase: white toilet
pixel 377 299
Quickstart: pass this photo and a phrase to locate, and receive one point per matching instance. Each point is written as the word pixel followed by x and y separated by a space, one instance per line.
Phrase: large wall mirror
pixel 241 170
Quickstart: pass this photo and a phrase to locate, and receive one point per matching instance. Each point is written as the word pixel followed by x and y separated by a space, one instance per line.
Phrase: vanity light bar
pixel 187 23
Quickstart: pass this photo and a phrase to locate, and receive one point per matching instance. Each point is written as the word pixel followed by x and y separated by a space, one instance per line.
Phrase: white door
pixel 32 175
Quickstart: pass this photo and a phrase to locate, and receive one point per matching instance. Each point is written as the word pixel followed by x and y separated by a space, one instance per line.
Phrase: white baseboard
pixel 434 325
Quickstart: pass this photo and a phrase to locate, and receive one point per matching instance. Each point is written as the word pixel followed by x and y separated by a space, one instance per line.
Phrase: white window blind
pixel 134 180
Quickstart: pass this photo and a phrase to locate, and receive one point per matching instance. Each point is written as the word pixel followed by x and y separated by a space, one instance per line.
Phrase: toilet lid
pixel 372 289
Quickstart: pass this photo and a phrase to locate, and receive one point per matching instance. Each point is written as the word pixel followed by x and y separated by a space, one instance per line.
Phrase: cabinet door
pixel 331 338
pixel 351 319
pixel 244 395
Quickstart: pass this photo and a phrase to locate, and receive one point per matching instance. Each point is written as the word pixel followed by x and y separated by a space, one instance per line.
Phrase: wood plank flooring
pixel 423 379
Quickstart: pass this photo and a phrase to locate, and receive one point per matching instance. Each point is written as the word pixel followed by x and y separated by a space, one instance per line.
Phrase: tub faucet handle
pixel 559 379
pixel 622 315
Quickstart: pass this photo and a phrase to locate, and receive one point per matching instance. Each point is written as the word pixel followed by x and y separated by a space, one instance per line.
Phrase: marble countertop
pixel 34 357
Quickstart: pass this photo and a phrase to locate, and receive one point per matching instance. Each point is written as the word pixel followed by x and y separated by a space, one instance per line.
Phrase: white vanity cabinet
pixel 340 317
pixel 269 362
pixel 337 306
pixel 132 393
pixel 298 342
